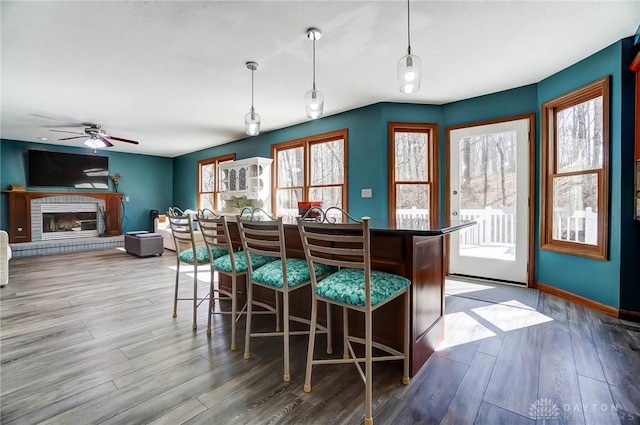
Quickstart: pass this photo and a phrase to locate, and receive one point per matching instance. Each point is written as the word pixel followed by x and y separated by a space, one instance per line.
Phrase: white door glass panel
pixel 489 181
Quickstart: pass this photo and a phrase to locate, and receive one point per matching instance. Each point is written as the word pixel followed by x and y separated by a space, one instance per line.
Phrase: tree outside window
pixel 209 186
pixel 310 169
pixel 575 143
pixel 412 173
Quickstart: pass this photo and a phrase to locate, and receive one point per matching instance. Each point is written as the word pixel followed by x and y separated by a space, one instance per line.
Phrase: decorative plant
pixel 242 202
pixel 115 179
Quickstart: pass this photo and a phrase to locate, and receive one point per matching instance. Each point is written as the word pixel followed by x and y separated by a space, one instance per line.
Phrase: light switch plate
pixel 367 193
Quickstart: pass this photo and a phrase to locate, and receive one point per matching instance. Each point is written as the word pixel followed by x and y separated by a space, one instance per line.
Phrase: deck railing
pixel 497 226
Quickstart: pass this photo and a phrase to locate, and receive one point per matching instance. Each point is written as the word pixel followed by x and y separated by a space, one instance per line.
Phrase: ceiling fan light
pixel 252 123
pixel 314 103
pixel 409 72
pixel 95 143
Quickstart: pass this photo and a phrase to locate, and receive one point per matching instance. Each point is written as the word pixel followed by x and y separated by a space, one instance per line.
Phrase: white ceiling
pixel 172 74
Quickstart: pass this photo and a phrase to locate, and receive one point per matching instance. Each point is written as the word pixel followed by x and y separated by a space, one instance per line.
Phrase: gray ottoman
pixel 143 244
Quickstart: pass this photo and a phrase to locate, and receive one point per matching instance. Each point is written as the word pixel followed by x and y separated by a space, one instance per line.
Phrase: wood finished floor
pixel 88 338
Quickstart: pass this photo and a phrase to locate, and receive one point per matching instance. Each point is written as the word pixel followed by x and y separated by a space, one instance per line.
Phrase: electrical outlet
pixel 126 199
pixel 367 193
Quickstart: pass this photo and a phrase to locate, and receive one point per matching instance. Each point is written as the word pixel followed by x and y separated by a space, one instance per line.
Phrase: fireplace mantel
pixel 20 211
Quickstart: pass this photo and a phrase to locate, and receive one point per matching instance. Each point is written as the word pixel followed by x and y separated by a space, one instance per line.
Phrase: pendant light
pixel 314 99
pixel 409 66
pixel 252 119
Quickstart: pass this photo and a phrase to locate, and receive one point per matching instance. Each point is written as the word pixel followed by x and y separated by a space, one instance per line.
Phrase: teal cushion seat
pixel 223 263
pixel 297 272
pixel 347 286
pixel 218 252
pixel 202 255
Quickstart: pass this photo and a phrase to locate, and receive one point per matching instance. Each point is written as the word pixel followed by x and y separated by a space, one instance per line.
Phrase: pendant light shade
pixel 409 66
pixel 314 103
pixel 314 99
pixel 409 72
pixel 252 119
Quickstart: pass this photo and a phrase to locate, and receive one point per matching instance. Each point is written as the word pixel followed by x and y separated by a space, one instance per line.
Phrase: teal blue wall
pixel 595 279
pixel 147 180
pixel 601 281
pixel 367 154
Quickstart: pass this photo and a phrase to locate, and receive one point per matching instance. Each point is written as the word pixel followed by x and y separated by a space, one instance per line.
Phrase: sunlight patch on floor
pixel 507 318
pixel 185 268
pixel 460 328
pixel 464 287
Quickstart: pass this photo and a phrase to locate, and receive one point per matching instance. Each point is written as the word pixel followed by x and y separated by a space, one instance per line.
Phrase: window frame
pixel 549 111
pixel 215 161
pixel 305 143
pixel 431 129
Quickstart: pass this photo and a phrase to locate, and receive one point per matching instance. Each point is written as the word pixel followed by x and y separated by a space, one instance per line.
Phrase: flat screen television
pixel 67 170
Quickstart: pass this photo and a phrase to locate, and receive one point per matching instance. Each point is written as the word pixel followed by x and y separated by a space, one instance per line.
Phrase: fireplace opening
pixel 69 222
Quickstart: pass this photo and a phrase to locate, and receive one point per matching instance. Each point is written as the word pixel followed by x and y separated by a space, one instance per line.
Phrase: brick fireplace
pixel 65 220
pixel 38 216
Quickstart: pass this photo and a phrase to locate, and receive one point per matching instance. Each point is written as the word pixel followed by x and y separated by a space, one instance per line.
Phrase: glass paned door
pixel 489 178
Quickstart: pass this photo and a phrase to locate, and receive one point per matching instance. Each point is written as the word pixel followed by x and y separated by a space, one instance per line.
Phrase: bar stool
pixel 224 260
pixel 345 243
pixel 262 234
pixel 186 252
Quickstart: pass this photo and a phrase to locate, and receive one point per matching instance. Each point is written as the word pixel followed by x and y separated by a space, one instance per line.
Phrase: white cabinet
pixel 246 182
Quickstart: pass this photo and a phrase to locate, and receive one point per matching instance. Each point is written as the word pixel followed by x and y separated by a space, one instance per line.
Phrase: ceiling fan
pixel 98 138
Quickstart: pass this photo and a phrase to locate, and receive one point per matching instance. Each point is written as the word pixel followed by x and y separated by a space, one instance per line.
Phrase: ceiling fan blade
pixel 63 131
pixel 124 140
pixel 76 137
pixel 105 140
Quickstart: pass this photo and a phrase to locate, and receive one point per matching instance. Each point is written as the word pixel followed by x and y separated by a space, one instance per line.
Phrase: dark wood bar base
pixel 419 258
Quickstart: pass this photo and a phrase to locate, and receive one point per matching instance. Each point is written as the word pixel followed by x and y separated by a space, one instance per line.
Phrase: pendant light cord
pixel 408 29
pixel 314 63
pixel 252 90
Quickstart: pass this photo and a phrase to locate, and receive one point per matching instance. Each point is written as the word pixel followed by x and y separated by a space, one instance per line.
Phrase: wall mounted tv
pixel 67 170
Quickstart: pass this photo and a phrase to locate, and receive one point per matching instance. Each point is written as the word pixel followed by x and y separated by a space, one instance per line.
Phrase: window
pixel 413 191
pixel 575 171
pixel 310 169
pixel 208 182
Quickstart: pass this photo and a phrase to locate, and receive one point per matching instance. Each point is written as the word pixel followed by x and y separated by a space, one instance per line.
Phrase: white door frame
pixel 531 187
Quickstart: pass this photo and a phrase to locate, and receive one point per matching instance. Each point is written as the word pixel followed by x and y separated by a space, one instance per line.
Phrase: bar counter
pixel 413 250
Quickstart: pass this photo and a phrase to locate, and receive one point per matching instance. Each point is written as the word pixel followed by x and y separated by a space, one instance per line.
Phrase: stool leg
pixel 368 326
pixel 211 303
pixel 329 325
pixel 345 332
pixel 407 300
pixel 195 296
pixel 234 311
pixel 285 319
pixel 175 295
pixel 277 311
pixel 312 339
pixel 247 338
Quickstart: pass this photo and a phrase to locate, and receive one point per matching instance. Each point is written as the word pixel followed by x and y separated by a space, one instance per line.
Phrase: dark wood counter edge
pixel 414 232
